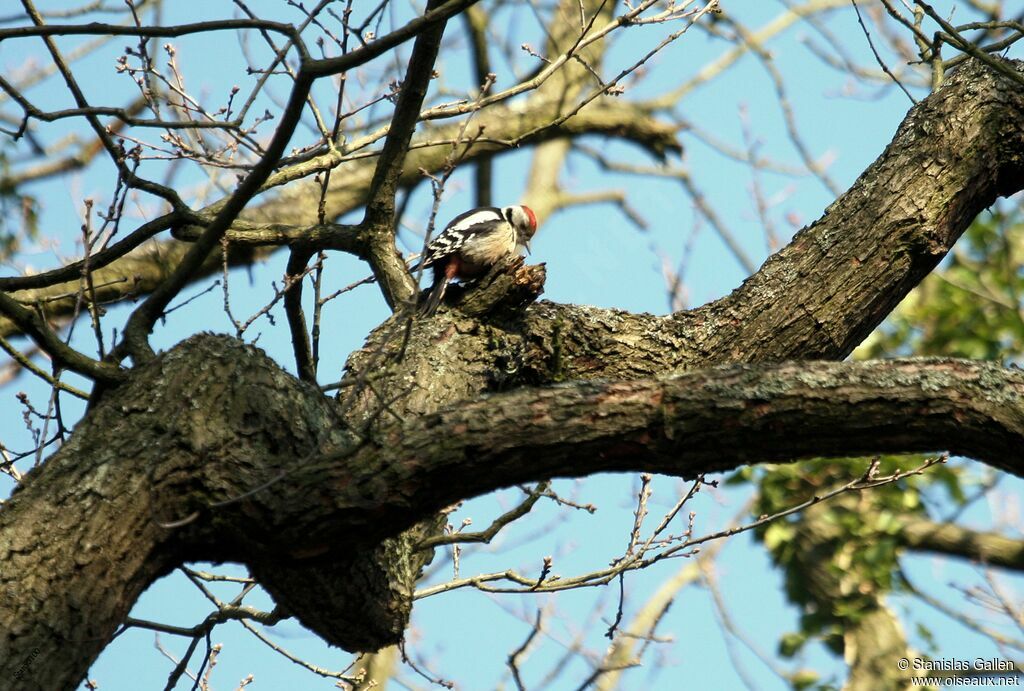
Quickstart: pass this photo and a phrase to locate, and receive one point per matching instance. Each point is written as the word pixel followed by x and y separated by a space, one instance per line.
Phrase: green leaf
pixel 791 643
pixel 777 534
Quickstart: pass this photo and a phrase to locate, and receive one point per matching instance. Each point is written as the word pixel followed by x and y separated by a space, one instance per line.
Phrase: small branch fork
pixel 247 616
pixel 321 67
pixel 140 323
pixel 485 536
pixel 313 69
pixel 929 47
pixel 658 546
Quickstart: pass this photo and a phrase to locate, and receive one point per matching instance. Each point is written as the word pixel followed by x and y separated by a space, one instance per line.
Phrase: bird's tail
pixel 434 297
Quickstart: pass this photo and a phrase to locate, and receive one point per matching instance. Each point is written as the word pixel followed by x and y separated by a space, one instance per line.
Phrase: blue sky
pixel 594 256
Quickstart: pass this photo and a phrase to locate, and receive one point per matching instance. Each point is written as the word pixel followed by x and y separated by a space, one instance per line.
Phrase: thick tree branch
pixel 699 422
pixel 954 155
pixel 219 454
pixel 838 278
pixel 554 343
pixel 264 471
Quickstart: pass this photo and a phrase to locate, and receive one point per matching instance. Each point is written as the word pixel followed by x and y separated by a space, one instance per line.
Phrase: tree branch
pixel 266 470
pixel 379 222
pixel 191 455
pixel 140 323
pixel 699 422
pixel 846 271
pixel 291 218
pixel 989 548
pixel 64 355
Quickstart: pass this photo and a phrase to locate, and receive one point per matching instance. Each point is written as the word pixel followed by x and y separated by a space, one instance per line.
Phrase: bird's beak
pixel 527 246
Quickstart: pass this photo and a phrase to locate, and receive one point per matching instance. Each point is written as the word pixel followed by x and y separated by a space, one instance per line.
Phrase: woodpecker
pixel 473 243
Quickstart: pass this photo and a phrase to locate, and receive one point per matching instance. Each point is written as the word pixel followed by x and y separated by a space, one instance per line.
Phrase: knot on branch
pixel 507 287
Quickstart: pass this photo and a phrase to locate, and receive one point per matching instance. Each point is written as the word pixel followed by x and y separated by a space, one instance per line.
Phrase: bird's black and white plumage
pixel 473 243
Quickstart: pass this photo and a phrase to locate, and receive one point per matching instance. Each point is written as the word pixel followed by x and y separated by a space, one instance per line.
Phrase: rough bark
pixel 214 453
pixel 259 468
pixel 88 523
